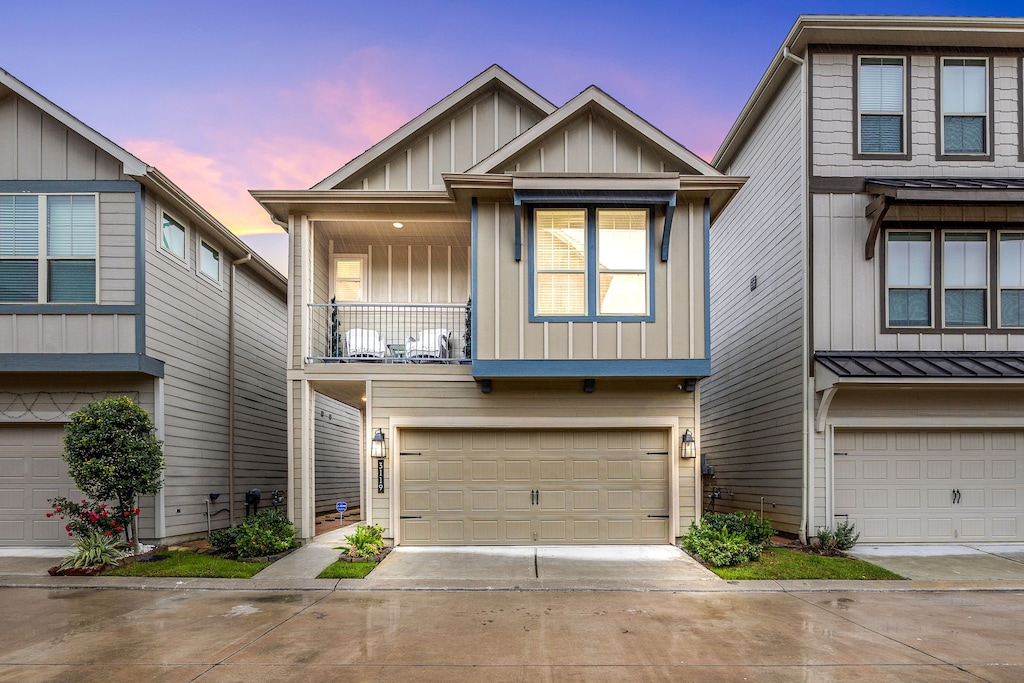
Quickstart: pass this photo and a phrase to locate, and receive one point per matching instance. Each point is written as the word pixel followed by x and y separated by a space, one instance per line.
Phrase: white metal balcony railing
pixel 389 333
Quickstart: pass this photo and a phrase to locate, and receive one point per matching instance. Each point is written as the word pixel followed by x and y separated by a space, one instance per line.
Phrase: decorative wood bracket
pixel 876 211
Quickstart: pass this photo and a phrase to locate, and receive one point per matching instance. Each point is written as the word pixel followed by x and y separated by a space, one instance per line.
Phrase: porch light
pixel 379 445
pixel 689 445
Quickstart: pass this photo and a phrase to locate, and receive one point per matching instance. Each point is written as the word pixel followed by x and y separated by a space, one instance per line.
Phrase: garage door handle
pixel 411 517
pixel 657 516
pixel 956 496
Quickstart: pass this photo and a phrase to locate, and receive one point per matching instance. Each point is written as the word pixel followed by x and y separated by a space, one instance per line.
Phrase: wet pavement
pixel 971 562
pixel 213 635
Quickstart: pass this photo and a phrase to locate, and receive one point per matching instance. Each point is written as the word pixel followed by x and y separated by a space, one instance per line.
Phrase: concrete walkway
pixel 973 561
pixel 308 561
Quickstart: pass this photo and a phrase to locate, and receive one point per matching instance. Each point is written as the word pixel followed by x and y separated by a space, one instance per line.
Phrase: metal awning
pixel 921 364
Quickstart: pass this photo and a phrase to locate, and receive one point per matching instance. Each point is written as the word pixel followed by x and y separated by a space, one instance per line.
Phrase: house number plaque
pixel 380 476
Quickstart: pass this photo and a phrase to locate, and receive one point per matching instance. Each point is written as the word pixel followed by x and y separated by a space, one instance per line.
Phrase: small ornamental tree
pixel 113 455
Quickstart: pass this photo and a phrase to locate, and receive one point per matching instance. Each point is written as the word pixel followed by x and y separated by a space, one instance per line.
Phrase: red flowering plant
pixel 88 516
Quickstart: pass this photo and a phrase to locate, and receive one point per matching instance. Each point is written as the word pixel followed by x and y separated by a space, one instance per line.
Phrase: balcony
pixel 388 333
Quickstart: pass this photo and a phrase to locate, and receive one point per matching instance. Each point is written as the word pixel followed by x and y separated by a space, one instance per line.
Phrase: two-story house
pixel 868 283
pixel 113 281
pixel 514 294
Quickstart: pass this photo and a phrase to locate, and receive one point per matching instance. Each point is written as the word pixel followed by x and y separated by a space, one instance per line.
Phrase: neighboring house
pixel 114 282
pixel 873 372
pixel 515 296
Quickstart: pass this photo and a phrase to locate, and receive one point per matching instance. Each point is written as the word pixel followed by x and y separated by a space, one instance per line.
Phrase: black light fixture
pixel 690 384
pixel 379 445
pixel 214 497
pixel 689 445
pixel 485 386
pixel 588 386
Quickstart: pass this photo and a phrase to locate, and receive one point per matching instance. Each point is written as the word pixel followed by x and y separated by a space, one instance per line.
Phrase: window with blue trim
pixel 591 262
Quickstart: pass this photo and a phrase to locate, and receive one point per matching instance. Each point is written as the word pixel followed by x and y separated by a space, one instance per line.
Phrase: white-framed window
pixel 591 263
pixel 881 100
pixel 964 106
pixel 172 236
pixel 909 278
pixel 209 260
pixel 48 248
pixel 964 279
pixel 349 278
pixel 1011 279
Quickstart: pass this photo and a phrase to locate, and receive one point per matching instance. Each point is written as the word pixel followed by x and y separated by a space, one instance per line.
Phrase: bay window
pixel 591 263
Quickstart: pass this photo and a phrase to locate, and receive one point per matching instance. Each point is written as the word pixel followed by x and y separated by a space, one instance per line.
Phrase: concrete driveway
pixel 964 562
pixel 585 567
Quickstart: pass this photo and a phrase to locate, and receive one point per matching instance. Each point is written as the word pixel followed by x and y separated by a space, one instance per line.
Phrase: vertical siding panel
pixel 29 141
pixel 8 138
pixel 54 149
pixel 420 274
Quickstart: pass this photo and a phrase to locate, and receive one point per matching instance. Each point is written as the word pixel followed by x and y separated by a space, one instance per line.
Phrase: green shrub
pixel 367 541
pixel 720 547
pixel 265 533
pixel 843 537
pixel 224 540
pixel 747 524
pixel 93 549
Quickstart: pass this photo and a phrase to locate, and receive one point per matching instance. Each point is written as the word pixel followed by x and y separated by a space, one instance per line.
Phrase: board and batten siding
pixel 89 332
pixel 452 145
pixel 752 405
pixel 337 447
pixel 35 146
pixel 515 403
pixel 187 328
pixel 833 109
pixel 591 143
pixel 849 308
pixel 504 330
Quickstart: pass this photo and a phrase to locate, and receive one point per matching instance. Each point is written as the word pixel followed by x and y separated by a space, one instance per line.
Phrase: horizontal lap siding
pixel 337 449
pixel 752 405
pixel 613 400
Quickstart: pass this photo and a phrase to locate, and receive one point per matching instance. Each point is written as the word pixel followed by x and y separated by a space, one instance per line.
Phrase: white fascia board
pixel 614 109
pixel 493 74
pixel 131 164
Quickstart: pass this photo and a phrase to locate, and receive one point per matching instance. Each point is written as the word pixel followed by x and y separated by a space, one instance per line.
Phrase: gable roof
pixel 493 76
pixel 861 30
pixel 132 165
pixel 137 168
pixel 594 97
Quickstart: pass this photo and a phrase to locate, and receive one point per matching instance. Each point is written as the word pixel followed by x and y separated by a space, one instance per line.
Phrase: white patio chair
pixel 360 343
pixel 431 343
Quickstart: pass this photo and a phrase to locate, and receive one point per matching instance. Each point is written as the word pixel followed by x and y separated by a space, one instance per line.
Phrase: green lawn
pixel 785 563
pixel 186 563
pixel 347 570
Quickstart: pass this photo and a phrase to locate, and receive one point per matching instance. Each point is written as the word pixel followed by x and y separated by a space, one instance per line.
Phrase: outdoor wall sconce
pixel 689 445
pixel 378 445
pixel 588 386
pixel 485 386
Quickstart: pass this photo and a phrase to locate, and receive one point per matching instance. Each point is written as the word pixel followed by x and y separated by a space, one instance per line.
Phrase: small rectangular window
pixel 964 106
pixel 348 279
pixel 965 278
pixel 209 261
pixel 622 258
pixel 172 236
pixel 71 248
pixel 1011 279
pixel 909 279
pixel 561 261
pixel 881 101
pixel 19 248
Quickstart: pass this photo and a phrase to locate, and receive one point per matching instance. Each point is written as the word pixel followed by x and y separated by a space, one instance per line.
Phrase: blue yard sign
pixel 341 507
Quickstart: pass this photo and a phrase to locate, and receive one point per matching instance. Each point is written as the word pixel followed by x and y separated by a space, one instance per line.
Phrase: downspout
pixel 806 430
pixel 231 388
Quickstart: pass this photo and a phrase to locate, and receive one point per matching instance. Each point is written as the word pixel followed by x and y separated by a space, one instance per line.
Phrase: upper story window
pixel 1011 279
pixel 881 100
pixel 209 261
pixel 966 263
pixel 48 248
pixel 591 263
pixel 172 236
pixel 964 106
pixel 349 273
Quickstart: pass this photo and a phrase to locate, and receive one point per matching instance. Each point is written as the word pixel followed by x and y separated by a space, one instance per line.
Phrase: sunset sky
pixel 224 97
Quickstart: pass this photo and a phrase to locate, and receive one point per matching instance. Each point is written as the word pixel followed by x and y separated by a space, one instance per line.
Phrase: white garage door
pixel 931 486
pixel 515 487
pixel 32 471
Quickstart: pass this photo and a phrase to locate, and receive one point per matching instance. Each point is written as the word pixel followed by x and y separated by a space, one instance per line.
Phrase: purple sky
pixel 224 97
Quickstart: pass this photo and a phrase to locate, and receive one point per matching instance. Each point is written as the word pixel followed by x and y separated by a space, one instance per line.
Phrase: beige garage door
pixel 515 487
pixel 31 472
pixel 931 486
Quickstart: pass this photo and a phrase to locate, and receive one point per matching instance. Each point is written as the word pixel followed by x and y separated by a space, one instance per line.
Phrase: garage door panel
pixel 12 467
pixel 958 485
pixel 32 471
pixel 535 487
